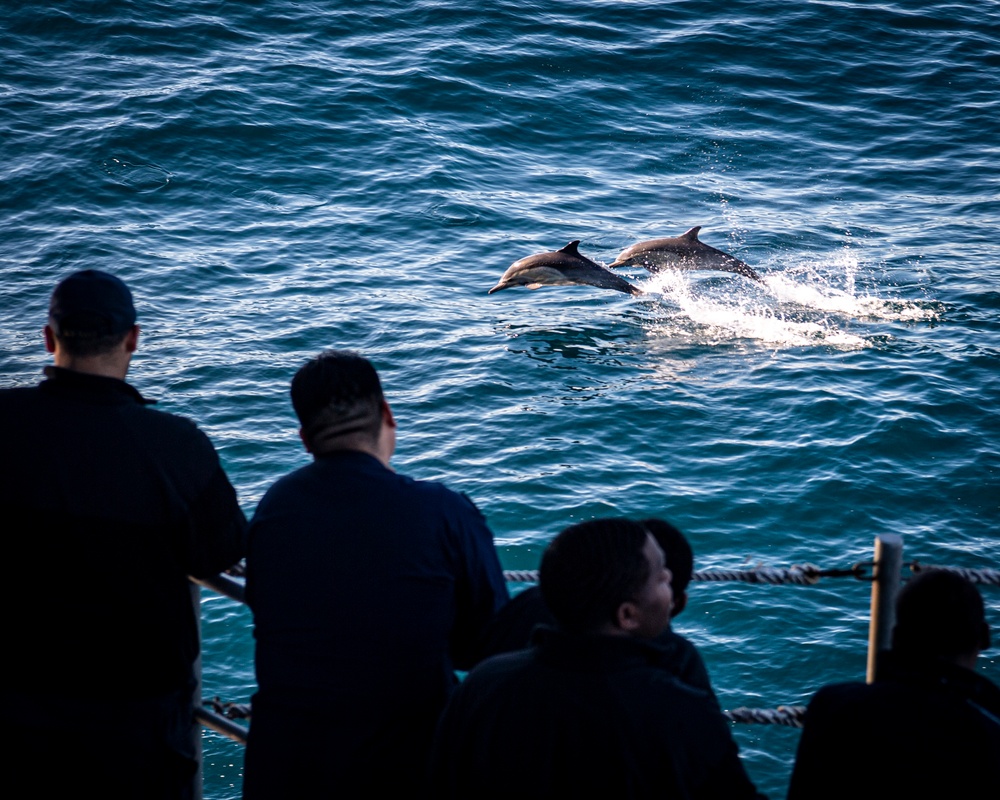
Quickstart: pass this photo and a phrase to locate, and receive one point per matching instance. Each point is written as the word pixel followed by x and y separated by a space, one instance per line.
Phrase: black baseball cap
pixel 91 303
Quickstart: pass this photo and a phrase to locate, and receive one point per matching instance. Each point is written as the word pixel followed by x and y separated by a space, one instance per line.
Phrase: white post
pixel 886 580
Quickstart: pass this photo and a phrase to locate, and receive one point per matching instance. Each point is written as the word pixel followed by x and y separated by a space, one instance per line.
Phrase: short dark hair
pixel 335 394
pixel 677 552
pixel 91 345
pixel 590 569
pixel 91 312
pixel 939 614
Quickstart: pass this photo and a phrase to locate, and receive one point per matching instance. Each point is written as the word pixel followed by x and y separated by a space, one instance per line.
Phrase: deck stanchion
pixel 886 579
pixel 196 725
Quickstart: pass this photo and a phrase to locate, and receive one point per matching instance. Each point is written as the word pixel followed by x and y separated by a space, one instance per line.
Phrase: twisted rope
pixel 801 574
pixel 521 575
pixel 230 710
pixel 804 575
pixel 782 715
pixel 990 577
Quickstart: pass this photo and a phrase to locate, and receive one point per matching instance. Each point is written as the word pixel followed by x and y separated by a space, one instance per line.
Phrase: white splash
pixel 804 304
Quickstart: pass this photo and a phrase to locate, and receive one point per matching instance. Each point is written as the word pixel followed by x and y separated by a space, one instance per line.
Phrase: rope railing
pixel 802 575
pixel 989 577
pixel 219 716
pixel 782 715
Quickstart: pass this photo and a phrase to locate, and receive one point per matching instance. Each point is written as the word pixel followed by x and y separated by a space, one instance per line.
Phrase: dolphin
pixel 686 251
pixel 562 268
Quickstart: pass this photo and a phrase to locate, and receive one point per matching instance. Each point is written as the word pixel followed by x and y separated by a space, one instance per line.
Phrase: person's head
pixel 606 576
pixel 679 557
pixel 91 321
pixel 338 399
pixel 940 615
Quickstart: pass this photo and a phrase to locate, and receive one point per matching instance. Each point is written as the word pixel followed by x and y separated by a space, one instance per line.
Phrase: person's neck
pixel 967 660
pixel 610 629
pixel 107 366
pixel 353 445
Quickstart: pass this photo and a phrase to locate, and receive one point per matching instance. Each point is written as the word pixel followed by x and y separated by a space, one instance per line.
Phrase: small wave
pixel 284 202
pixel 140 177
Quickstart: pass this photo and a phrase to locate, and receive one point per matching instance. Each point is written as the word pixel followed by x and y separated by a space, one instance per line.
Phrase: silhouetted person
pixel 589 710
pixel 108 506
pixel 927 726
pixel 512 628
pixel 368 589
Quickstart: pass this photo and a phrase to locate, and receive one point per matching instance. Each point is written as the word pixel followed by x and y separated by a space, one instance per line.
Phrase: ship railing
pixel 884 572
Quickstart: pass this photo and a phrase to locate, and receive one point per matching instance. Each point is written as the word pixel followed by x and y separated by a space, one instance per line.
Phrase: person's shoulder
pixel 842 698
pixel 690 706
pixel 669 682
pixel 13 395
pixel 16 404
pixel 672 641
pixel 501 666
pixel 167 420
pixel 436 488
pixel 682 657
pixel 843 689
pixel 438 493
pixel 513 624
pixel 290 482
pixel 167 431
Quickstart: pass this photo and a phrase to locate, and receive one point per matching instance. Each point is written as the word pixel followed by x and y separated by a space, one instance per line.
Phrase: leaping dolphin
pixel 686 251
pixel 561 268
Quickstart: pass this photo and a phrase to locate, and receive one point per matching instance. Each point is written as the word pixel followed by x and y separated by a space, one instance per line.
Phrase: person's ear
pixel 132 339
pixel 680 602
pixel 627 617
pixel 305 442
pixel 387 417
pixel 50 339
pixel 984 638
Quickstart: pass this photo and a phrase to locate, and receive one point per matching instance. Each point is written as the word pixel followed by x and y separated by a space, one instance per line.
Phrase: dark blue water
pixel 277 178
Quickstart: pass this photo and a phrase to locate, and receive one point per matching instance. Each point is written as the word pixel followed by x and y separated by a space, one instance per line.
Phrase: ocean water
pixel 274 179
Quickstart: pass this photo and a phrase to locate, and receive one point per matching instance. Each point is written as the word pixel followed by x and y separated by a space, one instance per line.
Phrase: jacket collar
pixel 61 379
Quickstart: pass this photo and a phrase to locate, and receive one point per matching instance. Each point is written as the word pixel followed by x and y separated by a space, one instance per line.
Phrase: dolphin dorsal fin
pixel 571 248
pixel 691 234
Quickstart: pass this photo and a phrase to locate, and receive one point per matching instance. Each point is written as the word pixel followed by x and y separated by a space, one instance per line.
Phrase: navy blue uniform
pixel 514 624
pixel 368 590
pixel 922 729
pixel 108 507
pixel 584 716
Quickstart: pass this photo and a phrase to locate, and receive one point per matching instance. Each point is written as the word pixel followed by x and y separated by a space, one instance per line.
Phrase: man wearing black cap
pixel 108 506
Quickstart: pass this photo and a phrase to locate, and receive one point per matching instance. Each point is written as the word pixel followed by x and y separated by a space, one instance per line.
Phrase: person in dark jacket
pixel 928 725
pixel 589 709
pixel 513 626
pixel 368 590
pixel 109 507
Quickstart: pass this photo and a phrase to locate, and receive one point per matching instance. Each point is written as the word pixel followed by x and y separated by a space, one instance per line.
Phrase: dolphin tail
pixel 744 269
